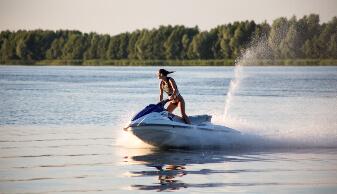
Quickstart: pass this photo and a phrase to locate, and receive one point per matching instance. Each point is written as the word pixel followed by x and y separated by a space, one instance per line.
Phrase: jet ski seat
pixel 195 119
pixel 198 119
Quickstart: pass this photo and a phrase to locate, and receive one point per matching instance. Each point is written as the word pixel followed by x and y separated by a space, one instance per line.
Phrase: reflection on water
pixel 177 169
pixel 169 166
pixel 167 177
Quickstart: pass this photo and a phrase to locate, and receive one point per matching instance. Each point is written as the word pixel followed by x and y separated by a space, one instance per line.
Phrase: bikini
pixel 168 89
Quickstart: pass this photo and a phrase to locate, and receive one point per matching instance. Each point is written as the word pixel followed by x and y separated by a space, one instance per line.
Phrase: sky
pixel 117 16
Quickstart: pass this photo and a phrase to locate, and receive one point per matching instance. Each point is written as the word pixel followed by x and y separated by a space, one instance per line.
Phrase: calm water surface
pixel 61 131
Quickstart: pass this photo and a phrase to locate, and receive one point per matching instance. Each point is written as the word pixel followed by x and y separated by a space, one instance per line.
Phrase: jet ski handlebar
pixel 163 102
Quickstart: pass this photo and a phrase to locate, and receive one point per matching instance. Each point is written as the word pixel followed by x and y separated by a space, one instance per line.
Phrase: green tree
pixel 332 46
pixel 291 44
pixel 74 46
pixel 132 52
pixel 56 48
pixel 145 45
pixel 7 49
pixel 102 47
pixel 123 46
pixel 113 48
pixel 160 38
pixel 92 50
pixel 311 48
pixel 173 45
pixel 186 41
pixel 278 33
pixel 200 47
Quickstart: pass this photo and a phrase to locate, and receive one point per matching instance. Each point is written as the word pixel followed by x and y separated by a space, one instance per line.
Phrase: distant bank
pixel 217 62
pixel 293 41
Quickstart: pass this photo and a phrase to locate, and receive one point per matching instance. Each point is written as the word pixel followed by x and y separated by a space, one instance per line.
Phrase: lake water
pixel 61 131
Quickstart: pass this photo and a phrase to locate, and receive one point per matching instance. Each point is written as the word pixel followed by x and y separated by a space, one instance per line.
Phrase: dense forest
pixel 304 38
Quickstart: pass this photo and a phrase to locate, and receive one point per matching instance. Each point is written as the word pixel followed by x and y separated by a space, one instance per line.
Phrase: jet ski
pixel 156 126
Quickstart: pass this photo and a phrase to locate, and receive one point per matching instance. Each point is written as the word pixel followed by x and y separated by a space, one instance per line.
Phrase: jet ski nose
pixel 129 126
pixel 126 128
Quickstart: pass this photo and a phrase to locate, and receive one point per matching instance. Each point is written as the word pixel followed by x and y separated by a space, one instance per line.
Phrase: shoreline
pixel 127 62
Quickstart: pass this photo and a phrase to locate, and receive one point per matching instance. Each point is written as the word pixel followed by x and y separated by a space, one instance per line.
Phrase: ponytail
pixel 165 72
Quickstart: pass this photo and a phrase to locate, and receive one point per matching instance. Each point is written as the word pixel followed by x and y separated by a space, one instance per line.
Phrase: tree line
pixel 304 38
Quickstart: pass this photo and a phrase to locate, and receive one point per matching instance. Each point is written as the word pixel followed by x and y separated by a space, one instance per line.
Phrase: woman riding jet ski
pixel 159 127
pixel 168 85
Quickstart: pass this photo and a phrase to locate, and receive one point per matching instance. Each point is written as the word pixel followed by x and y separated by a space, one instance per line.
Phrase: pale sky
pixel 116 16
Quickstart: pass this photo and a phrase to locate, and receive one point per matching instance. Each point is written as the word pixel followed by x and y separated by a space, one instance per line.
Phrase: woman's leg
pixel 182 109
pixel 171 107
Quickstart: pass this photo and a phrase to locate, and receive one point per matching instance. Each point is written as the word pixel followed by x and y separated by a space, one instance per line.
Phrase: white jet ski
pixel 156 126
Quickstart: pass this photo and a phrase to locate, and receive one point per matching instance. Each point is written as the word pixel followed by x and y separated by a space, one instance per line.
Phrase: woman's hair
pixel 165 72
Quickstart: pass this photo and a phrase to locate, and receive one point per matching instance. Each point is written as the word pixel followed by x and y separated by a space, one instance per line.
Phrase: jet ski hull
pixel 180 136
pixel 155 135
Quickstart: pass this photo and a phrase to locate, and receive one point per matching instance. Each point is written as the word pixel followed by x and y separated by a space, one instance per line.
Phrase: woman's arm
pixel 160 91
